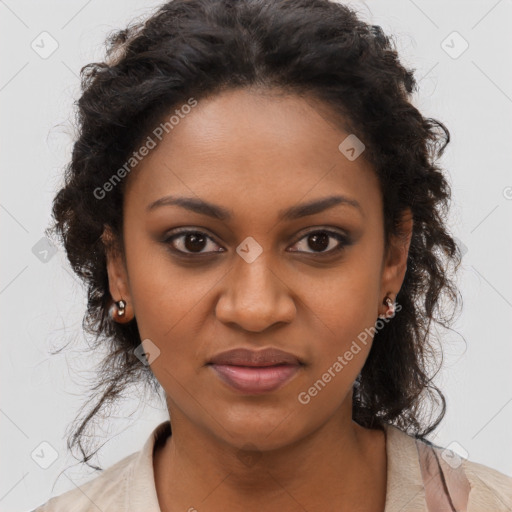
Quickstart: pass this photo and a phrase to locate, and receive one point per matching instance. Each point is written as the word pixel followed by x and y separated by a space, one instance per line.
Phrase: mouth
pixel 255 379
pixel 255 372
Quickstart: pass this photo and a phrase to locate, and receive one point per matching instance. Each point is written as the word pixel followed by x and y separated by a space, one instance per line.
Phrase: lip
pixel 255 379
pixel 246 357
pixel 255 372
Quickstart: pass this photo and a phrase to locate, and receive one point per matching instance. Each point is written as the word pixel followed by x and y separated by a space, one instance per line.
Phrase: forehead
pixel 242 146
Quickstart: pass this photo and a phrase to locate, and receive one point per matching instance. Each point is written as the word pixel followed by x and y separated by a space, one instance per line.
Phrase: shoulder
pixel 126 485
pixel 438 478
pixel 472 486
pixel 107 490
pixel 490 489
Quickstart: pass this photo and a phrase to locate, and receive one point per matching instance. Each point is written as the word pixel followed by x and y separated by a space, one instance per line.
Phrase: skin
pixel 256 153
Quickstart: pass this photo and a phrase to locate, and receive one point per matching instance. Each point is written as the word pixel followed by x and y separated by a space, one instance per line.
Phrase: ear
pixel 395 260
pixel 117 276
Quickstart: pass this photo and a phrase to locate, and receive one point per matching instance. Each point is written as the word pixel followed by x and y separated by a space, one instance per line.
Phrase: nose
pixel 255 296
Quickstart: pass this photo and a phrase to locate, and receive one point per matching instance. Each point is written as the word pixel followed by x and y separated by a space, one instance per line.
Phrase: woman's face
pixel 255 278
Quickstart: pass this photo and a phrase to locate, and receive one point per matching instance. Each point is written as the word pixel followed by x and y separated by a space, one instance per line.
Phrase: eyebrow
pixel 218 212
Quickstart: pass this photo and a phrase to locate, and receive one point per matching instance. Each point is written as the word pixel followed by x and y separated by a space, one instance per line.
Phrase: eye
pixel 321 241
pixel 188 242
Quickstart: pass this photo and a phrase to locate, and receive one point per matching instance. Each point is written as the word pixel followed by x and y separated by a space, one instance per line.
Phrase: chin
pixel 260 431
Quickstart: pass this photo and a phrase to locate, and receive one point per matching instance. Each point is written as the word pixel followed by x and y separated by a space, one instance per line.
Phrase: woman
pixel 255 206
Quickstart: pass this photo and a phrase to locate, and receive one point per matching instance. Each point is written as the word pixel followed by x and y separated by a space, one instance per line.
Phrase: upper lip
pixel 247 357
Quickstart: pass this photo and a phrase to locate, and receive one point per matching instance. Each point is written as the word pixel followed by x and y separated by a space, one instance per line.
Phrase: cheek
pixel 346 301
pixel 164 294
pixel 167 301
pixel 168 306
pixel 345 312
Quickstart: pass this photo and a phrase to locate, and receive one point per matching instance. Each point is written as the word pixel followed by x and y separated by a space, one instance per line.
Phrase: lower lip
pixel 255 380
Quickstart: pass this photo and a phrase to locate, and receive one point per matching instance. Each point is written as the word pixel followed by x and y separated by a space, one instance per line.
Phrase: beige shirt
pixel 129 485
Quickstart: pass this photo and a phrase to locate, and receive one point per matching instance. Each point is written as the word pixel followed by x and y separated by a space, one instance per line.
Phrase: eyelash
pixel 341 238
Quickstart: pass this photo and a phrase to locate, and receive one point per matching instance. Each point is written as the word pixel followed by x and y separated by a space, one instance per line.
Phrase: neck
pixel 339 463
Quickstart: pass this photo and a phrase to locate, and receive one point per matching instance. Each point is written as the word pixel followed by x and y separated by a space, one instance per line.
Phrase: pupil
pixel 194 242
pixel 320 241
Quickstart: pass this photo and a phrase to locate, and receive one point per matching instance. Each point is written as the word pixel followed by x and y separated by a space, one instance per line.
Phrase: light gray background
pixel 42 303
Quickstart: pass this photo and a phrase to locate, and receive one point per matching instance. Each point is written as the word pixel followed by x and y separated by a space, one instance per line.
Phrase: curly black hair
pixel 311 48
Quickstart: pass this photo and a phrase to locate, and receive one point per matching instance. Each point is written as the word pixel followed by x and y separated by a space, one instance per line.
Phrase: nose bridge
pixel 255 279
pixel 254 296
